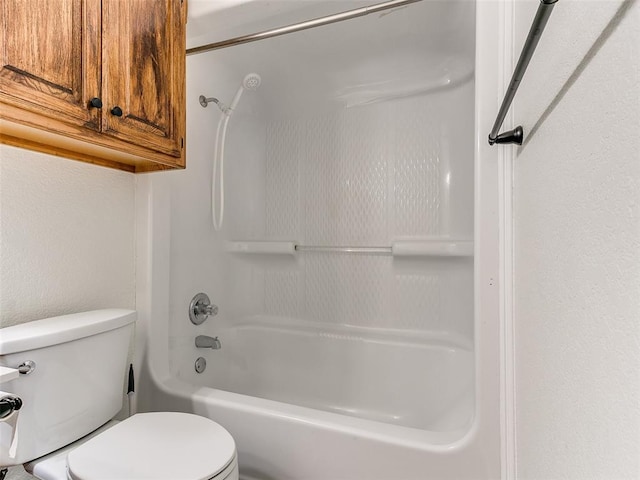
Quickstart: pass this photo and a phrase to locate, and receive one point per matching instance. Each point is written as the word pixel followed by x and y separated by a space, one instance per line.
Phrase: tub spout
pixel 203 341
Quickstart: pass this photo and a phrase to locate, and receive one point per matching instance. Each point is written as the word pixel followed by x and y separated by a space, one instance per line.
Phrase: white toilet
pixel 65 427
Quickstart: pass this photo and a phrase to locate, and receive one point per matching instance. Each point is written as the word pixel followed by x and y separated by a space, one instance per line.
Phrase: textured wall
pixel 66 237
pixel 577 245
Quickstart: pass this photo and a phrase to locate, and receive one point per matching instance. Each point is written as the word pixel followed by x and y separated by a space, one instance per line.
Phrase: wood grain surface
pixel 59 54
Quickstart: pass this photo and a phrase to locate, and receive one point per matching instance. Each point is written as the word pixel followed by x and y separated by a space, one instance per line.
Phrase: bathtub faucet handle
pixel 201 308
pixel 208 310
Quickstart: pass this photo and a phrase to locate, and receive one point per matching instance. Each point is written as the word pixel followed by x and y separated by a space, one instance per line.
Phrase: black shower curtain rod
pixel 537 27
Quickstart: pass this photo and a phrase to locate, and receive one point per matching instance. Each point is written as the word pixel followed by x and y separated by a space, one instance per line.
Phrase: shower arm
pixel 205 101
pixel 537 27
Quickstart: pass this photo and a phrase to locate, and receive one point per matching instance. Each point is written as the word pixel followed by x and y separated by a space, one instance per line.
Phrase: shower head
pixel 251 81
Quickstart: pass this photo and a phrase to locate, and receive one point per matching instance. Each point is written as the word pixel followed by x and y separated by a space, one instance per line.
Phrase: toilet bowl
pixel 78 364
pixel 158 446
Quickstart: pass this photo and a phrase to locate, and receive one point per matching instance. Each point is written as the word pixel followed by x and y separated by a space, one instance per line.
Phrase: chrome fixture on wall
pixel 200 365
pixel 201 308
pixel 204 101
pixel 204 341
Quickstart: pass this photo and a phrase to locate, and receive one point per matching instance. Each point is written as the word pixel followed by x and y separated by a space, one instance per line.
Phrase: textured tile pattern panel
pixel 419 299
pixel 348 289
pixel 417 171
pixel 345 167
pixel 281 293
pixel 284 141
pixel 360 177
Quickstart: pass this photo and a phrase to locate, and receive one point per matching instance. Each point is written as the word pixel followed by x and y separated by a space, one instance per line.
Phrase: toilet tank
pixel 77 385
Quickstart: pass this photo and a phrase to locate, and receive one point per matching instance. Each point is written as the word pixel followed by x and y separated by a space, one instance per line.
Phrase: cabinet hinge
pixel 182 143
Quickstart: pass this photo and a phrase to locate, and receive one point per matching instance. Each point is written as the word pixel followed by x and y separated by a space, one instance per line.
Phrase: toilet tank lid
pixel 55 330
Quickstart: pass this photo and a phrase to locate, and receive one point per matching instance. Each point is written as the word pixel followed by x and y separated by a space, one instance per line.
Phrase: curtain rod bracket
pixel 510 136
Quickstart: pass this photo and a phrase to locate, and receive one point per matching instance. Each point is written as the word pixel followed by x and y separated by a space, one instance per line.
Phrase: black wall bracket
pixel 510 136
pixel 537 27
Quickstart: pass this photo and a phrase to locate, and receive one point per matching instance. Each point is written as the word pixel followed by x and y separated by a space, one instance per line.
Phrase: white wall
pixel 577 245
pixel 66 237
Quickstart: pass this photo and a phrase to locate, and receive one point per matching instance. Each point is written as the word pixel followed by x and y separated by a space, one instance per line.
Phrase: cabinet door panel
pixel 50 57
pixel 143 72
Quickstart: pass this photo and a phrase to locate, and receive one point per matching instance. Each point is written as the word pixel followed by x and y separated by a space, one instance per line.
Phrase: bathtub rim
pixel 421 338
pixel 203 397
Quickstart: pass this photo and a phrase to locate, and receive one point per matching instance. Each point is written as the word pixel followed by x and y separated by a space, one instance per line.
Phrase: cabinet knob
pixel 95 102
pixel 117 111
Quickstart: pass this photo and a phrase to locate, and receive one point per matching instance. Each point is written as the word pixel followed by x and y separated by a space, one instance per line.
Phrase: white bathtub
pixel 402 428
pixel 421 428
pixel 278 360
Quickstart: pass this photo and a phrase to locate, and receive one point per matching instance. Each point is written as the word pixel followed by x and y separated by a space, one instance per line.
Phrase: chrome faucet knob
pixel 208 310
pixel 201 308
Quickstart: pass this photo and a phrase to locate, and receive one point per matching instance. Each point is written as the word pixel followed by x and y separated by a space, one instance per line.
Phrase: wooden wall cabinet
pixel 101 81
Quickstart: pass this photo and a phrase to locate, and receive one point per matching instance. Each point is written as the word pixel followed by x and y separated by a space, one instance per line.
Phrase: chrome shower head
pixel 251 81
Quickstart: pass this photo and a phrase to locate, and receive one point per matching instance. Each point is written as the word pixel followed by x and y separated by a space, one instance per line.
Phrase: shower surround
pixel 356 270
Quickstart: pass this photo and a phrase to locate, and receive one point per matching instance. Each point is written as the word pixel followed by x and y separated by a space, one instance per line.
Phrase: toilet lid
pixel 163 445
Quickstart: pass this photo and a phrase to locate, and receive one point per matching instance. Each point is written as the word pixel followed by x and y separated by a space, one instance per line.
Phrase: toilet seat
pixel 155 446
pixel 146 446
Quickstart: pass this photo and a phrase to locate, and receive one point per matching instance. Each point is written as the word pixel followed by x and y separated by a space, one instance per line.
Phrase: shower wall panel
pixel 360 135
pixel 366 176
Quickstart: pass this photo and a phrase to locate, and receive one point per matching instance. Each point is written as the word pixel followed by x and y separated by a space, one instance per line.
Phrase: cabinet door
pixel 144 72
pixel 50 54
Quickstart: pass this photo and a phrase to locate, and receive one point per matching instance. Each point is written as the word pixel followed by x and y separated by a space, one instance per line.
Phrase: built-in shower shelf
pixel 412 248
